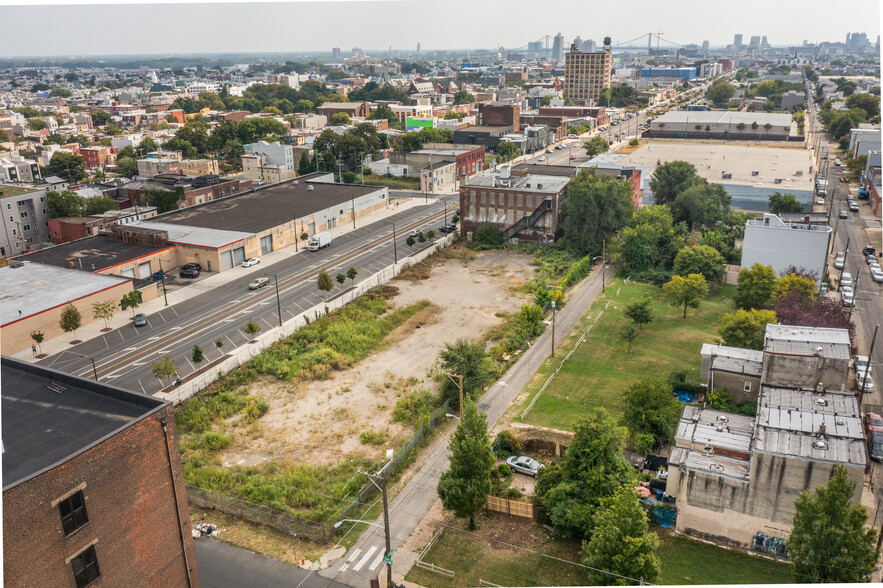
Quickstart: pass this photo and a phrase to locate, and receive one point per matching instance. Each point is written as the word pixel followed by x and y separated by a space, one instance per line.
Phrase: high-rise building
pixel 755 41
pixel 586 75
pixel 335 53
pixel 419 52
pixel 558 48
pixel 737 41
pixel 763 42
pixel 589 46
pixel 705 46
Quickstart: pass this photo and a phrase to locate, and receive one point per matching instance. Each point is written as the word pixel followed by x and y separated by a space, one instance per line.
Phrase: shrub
pixel 488 236
pixel 372 437
pixel 414 408
pixel 577 272
pixel 213 441
pixel 508 442
pixel 504 471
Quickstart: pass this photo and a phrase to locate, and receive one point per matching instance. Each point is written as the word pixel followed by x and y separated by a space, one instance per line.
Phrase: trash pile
pixel 206 530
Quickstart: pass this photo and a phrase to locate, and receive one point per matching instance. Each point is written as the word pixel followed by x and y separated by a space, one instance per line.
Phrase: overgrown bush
pixel 414 408
pixel 488 236
pixel 372 437
pixel 213 441
pixel 577 272
pixel 507 442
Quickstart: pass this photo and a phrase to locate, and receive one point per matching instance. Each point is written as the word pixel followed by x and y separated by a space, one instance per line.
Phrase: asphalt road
pixel 408 508
pixel 124 356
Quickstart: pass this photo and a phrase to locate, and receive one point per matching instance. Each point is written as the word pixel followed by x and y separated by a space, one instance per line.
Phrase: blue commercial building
pixel 684 73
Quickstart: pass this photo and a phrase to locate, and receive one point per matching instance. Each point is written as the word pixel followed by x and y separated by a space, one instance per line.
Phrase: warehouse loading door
pixel 238 255
pixel 226 260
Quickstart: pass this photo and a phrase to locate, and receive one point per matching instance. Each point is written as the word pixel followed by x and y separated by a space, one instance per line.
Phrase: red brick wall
pixel 62 232
pixel 130 502
pixel 530 201
pixel 500 116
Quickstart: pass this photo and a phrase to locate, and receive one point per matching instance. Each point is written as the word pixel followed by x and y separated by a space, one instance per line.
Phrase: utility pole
pixel 460 385
pixel 394 251
pixel 845 253
pixel 861 393
pixel 382 486
pixel 554 312
pixel 163 280
pixel 278 304
pixel 858 275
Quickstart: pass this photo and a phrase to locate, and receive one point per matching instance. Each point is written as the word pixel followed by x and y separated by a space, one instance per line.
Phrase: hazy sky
pixel 169 27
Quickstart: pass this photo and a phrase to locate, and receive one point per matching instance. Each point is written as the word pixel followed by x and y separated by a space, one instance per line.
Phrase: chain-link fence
pixel 256 513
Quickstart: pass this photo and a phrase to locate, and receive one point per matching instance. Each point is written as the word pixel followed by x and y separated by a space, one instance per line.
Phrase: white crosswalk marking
pixel 376 562
pixel 354 555
pixel 364 559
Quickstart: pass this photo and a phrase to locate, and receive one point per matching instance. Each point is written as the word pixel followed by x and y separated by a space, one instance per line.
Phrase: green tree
pixel 251 328
pixel 463 97
pixel 99 117
pixel 720 92
pixel 649 241
pixel 410 241
pixel 593 468
pixel 685 291
pixel 65 204
pixel 305 166
pixel 104 310
pixel 304 106
pixel 464 488
pixel 829 541
pixel 857 165
pixel 340 119
pixel 4 137
pixel 132 300
pixel 66 165
pixel 467 359
pixel 164 200
pixel 36 124
pixel 670 179
pixel 702 206
pixel 127 166
pixel 700 259
pixel 621 543
pixel 506 151
pixel 99 205
pixel 596 146
pixel 112 129
pixel 197 356
pixel 649 407
pixel 351 274
pixel 164 368
pixel 340 279
pixel 38 337
pixel 70 320
pixel 60 93
pixel 595 209
pixel 383 111
pixel 755 286
pixel 745 328
pixel 640 312
pixel 870 104
pixel 802 285
pixel 324 282
pixel 779 203
pixel 630 334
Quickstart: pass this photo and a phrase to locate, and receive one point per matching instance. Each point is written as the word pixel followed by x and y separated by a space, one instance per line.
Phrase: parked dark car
pixel 869 250
pixel 875 444
pixel 447 229
pixel 195 266
pixel 189 273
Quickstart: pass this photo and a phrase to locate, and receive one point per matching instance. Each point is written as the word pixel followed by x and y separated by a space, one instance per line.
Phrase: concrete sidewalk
pixel 178 294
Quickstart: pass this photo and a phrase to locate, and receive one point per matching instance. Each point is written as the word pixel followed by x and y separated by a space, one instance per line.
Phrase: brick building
pixel 586 75
pixel 354 109
pixel 520 205
pixel 499 114
pixel 195 190
pixel 62 230
pixel 93 486
pixel 95 157
pixel 469 158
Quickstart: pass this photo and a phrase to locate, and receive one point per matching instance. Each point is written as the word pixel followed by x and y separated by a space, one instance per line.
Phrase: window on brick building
pixel 73 512
pixel 85 567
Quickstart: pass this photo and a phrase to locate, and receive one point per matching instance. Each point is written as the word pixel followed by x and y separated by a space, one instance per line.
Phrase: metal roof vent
pixel 822 401
pixel 716 467
pixel 840 421
pixel 819 445
pixel 310 188
pixel 722 418
pixel 719 428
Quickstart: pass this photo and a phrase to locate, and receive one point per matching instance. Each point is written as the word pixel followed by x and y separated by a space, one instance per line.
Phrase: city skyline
pixel 213 28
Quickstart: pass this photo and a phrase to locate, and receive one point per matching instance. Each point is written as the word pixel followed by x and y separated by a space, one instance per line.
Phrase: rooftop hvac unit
pixel 819 445
pixel 539 186
pixel 755 173
pixel 505 172
pixel 310 188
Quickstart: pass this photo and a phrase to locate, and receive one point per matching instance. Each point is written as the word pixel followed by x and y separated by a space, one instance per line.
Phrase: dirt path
pixel 321 423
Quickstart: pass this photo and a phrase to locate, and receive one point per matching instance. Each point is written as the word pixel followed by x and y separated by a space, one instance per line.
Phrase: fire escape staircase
pixel 528 221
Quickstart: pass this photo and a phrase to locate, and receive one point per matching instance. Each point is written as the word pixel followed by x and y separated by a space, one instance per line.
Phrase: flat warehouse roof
pixel 258 211
pixel 35 287
pixel 96 253
pixel 712 160
pixel 724 117
pixel 49 417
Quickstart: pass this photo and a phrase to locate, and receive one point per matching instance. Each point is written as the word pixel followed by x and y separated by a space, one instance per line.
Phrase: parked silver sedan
pixel 524 465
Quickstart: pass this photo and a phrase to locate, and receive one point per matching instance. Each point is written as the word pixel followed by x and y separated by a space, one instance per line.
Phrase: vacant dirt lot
pixel 321 423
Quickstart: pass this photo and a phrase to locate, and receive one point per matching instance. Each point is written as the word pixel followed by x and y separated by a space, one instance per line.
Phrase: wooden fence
pixel 513 508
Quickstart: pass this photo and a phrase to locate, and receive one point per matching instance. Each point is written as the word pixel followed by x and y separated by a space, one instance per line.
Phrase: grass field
pixel 601 368
pixel 485 556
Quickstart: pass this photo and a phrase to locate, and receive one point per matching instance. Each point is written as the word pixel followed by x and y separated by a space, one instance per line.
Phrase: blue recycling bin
pixel 659 494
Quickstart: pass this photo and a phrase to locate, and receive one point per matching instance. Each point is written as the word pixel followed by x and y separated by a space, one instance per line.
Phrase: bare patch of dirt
pixel 321 423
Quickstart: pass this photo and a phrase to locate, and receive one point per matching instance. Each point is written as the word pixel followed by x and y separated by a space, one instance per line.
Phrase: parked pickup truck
pixel 320 240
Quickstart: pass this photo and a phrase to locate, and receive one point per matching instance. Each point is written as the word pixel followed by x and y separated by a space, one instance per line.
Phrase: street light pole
pixel 278 304
pixel 382 486
pixel 554 312
pixel 394 250
pixel 163 280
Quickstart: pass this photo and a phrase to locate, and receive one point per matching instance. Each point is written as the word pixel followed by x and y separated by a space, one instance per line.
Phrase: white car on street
pixel 250 262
